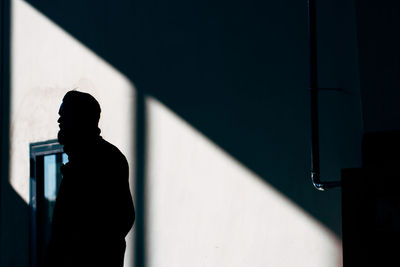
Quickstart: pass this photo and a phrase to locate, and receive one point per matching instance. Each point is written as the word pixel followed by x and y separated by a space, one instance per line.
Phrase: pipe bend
pixel 323 186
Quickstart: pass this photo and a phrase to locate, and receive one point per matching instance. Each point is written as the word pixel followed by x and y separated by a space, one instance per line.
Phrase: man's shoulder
pixel 110 153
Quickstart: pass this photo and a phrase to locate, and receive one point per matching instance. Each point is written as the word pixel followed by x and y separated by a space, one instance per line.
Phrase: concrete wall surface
pixel 46 63
pixel 223 143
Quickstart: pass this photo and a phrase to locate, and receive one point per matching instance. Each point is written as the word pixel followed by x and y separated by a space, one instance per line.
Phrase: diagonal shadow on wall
pixel 235 70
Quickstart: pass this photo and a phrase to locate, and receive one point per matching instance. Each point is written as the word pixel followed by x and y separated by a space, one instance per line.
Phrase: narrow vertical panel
pixel 4 127
pixel 50 177
pixel 140 185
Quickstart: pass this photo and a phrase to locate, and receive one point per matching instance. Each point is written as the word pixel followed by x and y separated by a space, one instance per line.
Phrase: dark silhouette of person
pixel 94 209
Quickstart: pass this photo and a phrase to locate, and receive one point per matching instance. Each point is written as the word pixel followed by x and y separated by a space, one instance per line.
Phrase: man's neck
pixel 79 148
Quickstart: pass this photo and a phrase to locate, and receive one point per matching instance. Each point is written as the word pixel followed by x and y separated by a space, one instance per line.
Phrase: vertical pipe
pixel 313 82
pixel 315 163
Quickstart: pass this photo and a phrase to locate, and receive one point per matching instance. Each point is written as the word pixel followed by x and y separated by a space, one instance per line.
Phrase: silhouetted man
pixel 94 209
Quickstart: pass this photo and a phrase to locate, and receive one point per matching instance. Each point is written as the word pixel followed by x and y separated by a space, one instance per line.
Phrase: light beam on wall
pixel 207 209
pixel 46 62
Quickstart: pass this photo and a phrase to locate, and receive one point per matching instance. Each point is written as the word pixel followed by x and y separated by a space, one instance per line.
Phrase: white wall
pixel 46 62
pixel 207 209
pixel 203 207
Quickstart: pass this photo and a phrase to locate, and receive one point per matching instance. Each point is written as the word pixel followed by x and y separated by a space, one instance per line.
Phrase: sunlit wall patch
pixel 204 208
pixel 46 62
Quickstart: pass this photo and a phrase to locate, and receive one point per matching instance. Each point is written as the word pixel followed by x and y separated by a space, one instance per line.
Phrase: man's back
pixel 94 209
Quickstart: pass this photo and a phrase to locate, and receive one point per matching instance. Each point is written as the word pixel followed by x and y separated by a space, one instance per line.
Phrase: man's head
pixel 79 117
